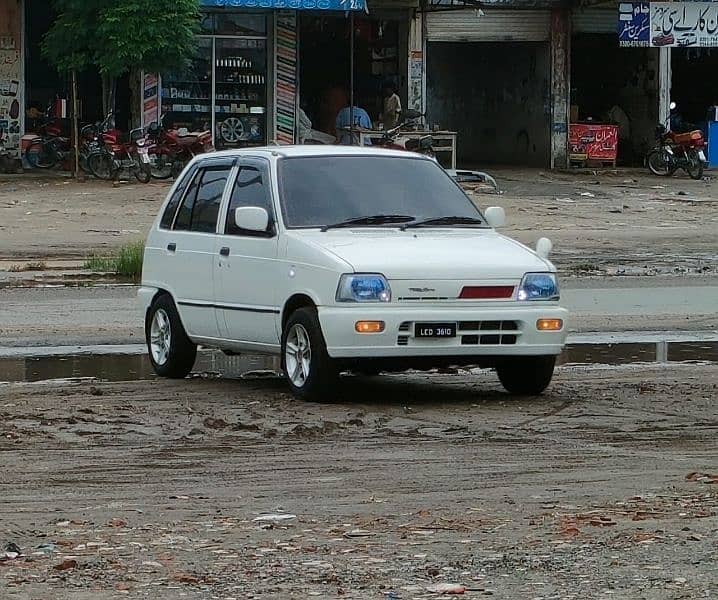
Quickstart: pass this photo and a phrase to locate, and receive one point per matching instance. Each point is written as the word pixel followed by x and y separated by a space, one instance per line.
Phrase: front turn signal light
pixel 369 326
pixel 549 324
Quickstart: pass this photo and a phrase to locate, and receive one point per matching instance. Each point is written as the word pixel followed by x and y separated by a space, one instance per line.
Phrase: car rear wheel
pixel 310 372
pixel 172 353
pixel 526 375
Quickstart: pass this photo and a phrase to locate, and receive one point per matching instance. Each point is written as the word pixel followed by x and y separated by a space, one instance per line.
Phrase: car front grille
pixel 473 333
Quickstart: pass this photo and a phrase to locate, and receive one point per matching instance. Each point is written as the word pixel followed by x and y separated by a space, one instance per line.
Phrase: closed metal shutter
pixel 493 26
pixel 595 20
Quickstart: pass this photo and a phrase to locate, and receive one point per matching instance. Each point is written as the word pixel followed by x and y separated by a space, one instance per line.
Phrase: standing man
pixel 392 107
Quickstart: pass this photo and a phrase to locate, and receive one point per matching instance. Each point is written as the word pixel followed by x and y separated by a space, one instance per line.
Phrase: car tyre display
pixel 171 352
pixel 310 372
pixel 526 375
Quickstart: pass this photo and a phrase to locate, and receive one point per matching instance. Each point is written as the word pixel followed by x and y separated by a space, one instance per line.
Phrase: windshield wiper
pixel 453 220
pixel 370 220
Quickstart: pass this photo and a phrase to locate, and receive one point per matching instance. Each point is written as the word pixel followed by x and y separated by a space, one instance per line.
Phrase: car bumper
pixel 504 331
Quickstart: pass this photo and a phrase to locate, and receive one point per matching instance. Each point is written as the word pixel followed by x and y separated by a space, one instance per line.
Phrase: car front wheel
pixel 526 375
pixel 172 353
pixel 311 373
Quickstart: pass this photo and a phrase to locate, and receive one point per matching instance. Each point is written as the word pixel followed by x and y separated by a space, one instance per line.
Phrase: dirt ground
pixel 622 222
pixel 603 488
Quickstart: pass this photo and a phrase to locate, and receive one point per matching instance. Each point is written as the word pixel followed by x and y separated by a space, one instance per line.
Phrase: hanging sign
pixel 633 24
pixel 338 5
pixel 684 24
pixel 150 99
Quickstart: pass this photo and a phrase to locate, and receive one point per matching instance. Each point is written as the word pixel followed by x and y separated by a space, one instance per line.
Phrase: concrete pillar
pixel 560 85
pixel 664 83
pixel 416 76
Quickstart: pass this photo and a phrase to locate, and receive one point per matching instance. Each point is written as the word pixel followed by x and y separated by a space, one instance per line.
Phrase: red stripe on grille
pixel 487 292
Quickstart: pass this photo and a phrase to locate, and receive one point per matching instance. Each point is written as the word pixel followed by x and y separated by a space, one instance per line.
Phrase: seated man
pixel 361 119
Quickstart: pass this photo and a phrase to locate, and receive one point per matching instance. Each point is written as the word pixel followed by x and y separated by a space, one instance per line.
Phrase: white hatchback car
pixel 344 259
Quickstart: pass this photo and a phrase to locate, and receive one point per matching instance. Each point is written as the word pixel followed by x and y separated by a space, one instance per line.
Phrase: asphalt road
pixel 109 315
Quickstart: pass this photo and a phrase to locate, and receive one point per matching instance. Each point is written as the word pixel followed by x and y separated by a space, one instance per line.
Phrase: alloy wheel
pixel 160 337
pixel 298 355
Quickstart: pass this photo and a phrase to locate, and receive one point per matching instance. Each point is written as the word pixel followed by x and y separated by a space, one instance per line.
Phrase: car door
pixel 247 265
pixel 191 248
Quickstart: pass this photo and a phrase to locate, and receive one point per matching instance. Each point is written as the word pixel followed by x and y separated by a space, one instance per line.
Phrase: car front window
pixel 317 191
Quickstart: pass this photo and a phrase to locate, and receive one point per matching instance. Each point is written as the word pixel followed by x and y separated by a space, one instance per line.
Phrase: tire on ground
pixel 323 378
pixel 182 351
pixel 526 375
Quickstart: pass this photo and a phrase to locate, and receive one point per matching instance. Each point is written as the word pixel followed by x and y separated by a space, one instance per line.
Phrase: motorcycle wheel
pixel 694 165
pixel 41 155
pixel 161 167
pixel 140 170
pixel 101 165
pixel 660 163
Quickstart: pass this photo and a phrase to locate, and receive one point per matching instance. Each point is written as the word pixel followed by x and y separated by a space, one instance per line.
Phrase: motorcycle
pixel 394 139
pixel 677 150
pixel 119 153
pixel 169 150
pixel 50 147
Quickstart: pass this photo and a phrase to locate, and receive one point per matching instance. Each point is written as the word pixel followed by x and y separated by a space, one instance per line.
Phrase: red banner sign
pixel 593 142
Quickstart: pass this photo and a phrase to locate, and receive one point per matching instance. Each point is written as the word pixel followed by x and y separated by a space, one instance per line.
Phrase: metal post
pixel 351 78
pixel 75 125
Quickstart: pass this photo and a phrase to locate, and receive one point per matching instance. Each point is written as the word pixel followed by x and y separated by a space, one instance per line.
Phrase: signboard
pixel 684 24
pixel 593 142
pixel 634 24
pixel 339 5
pixel 150 99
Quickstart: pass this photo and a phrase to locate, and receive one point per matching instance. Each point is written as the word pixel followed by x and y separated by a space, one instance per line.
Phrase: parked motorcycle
pixel 677 150
pixel 119 153
pixel 396 138
pixel 169 150
pixel 50 148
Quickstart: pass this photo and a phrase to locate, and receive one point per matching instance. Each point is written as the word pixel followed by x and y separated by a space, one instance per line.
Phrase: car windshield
pixel 321 191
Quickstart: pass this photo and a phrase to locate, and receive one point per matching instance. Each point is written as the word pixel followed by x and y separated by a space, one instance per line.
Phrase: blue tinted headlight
pixel 539 286
pixel 363 288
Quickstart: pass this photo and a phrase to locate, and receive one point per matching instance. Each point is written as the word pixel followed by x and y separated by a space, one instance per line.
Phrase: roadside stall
pixel 591 143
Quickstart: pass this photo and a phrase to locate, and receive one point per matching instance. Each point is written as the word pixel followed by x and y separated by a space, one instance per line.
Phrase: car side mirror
pixel 251 218
pixel 495 216
pixel 544 247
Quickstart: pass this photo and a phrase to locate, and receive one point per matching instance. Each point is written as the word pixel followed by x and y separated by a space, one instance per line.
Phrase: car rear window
pixel 320 190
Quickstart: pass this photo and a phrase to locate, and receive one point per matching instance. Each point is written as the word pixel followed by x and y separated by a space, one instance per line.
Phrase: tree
pixel 118 37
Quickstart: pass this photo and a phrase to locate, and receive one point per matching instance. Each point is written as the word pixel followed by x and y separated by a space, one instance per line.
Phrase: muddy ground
pixel 603 488
pixel 622 222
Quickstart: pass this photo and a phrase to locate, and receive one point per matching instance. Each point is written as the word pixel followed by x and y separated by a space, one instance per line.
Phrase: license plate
pixel 702 155
pixel 435 330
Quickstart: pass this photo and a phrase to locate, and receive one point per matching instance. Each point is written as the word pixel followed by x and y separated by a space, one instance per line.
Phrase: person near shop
pixel 392 107
pixel 304 125
pixel 343 122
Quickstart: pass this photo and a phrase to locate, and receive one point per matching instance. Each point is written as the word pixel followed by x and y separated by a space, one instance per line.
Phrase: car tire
pixel 171 352
pixel 526 375
pixel 312 375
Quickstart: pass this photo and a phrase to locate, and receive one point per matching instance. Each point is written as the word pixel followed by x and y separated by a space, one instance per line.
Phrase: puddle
pixel 129 367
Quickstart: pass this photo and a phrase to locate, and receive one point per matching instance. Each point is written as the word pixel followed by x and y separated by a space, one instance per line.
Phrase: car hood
pixel 436 254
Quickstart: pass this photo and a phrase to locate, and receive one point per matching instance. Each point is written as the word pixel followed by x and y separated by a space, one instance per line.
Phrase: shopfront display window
pixel 225 90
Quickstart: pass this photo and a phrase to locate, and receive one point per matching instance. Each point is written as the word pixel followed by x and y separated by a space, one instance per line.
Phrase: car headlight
pixel 363 287
pixel 539 286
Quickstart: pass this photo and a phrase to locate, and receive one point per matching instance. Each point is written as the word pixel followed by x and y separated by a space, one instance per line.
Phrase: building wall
pixel 12 109
pixel 496 95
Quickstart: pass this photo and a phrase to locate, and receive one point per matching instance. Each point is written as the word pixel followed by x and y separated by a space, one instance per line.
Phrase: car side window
pixel 200 207
pixel 171 209
pixel 250 189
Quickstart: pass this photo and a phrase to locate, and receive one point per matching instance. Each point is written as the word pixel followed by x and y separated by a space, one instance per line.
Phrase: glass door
pixel 240 92
pixel 187 94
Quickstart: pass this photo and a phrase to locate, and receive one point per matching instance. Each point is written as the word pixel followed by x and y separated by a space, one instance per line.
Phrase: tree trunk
pixel 136 98
pixel 109 85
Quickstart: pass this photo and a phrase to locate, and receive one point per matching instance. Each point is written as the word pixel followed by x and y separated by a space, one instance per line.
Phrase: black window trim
pixel 212 164
pixel 189 177
pixel 264 166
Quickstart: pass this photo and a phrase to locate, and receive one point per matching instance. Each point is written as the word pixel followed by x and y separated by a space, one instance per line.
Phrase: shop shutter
pixel 595 20
pixel 493 26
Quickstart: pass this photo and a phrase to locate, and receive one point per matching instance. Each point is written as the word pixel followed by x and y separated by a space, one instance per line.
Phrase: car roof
pixel 311 150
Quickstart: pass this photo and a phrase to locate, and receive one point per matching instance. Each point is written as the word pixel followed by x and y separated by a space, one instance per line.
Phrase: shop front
pixel 614 86
pixel 256 68
pixel 489 77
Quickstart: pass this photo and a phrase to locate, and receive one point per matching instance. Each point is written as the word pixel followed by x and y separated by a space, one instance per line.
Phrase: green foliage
pixel 127 261
pixel 119 36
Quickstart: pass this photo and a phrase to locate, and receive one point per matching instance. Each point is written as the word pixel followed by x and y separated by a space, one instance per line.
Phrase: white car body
pixel 235 293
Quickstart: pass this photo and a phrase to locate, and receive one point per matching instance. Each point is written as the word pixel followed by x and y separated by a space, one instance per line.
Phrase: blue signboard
pixel 634 24
pixel 338 5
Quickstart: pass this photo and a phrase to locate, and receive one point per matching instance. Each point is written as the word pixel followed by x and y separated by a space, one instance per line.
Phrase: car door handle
pixel 172 247
pixel 224 251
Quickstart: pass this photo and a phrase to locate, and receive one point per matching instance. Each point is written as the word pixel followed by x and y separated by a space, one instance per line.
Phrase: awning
pixel 336 5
